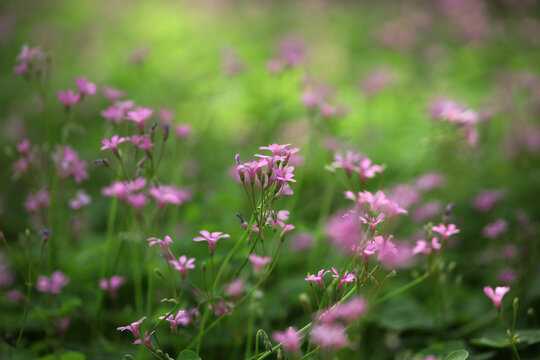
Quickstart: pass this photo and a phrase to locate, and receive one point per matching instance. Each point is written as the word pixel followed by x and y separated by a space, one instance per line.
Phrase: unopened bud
pixel 243 222
pixel 237 159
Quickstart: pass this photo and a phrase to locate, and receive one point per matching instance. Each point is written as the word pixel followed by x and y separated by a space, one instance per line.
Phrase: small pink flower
pixel 145 340
pixel 348 311
pixel 487 199
pixel 212 238
pixel 20 69
pixel 343 278
pixel 163 244
pixel 181 318
pixel 168 194
pixel 183 264
pixel 235 289
pixel 24 146
pixel 85 87
pixel 139 116
pixel 318 278
pixel 290 338
pixel 182 131
pixel 53 284
pixel 445 231
pixel 113 284
pixel 507 276
pixel 372 221
pixel 429 181
pixel 496 295
pixel 329 336
pixel 259 261
pixel 68 97
pixel 113 94
pixel 37 201
pixel 114 114
pixel 81 200
pixel 424 247
pixel 495 229
pixel 142 142
pixel 133 327
pixel 222 308
pixel 113 143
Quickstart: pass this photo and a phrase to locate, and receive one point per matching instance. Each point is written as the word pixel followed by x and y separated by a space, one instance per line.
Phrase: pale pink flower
pixel 274 66
pixel 486 200
pixel 53 284
pixel 374 201
pixel 85 87
pixel 292 51
pixel 366 170
pixel 183 264
pixel 259 261
pixel 69 164
pixel 24 146
pixel 496 295
pixel 145 340
pixel 343 278
pixel 81 200
pixel 113 284
pixel 329 336
pixel 345 231
pixel 181 318
pixel 318 278
pixel 211 238
pixel 163 244
pixel 114 114
pixel 169 194
pixel 182 131
pixel 68 97
pixel 113 143
pixel 28 54
pixel 495 229
pixel 139 116
pixel 133 327
pixel 290 338
pixel 348 312
pixel 301 241
pixel 507 276
pixel 427 211
pixel 445 231
pixel 422 246
pixel 404 195
pixel 37 201
pixel 222 308
pixel 113 94
pixel 142 142
pixel 235 289
pixel 348 162
pixel 372 221
pixel 430 181
pixel 20 69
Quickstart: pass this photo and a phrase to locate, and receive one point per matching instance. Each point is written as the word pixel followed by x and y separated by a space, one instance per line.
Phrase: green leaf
pixel 188 355
pixel 528 337
pixel 525 338
pixel 457 355
pixel 68 355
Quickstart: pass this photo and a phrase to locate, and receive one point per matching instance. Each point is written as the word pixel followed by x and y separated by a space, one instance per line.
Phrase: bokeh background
pixel 211 64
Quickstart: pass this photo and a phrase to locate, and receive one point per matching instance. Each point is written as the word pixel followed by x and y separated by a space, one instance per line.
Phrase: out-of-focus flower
pixel 445 231
pixel 496 295
pixel 133 327
pixel 182 131
pixel 181 318
pixel 163 244
pixel 68 97
pixel 81 200
pixel 139 116
pixel 211 238
pixel 348 312
pixel 427 211
pixel 85 87
pixel 329 336
pixel 222 308
pixel 290 338
pixel 259 261
pixel 377 81
pixel 183 264
pixel 345 231
pixel 113 94
pixel 495 229
pixel 69 164
pixel 429 181
pixel 113 143
pixel 168 194
pixel 235 289
pixel 53 284
pixel 37 201
pixel 113 284
pixel 507 276
pixel 301 241
pixel 422 246
pixel 486 200
pixel 343 278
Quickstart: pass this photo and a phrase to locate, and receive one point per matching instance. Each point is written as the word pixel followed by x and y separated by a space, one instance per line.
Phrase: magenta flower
pixel 114 114
pixel 445 231
pixel 37 201
pixel 168 194
pixel 182 318
pixel 20 69
pixel 142 142
pixel 81 200
pixel 145 340
pixel 348 311
pixel 495 229
pixel 507 276
pixel 486 200
pixel 372 221
pixel 496 295
pixel 329 336
pixel 319 278
pixel 222 308
pixel 133 327
pixel 139 116
pixel 183 264
pixel 69 164
pixel 85 87
pixel 422 246
pixel 24 146
pixel 290 338
pixel 259 261
pixel 28 54
pixel 346 277
pixel 345 231
pixel 53 284
pixel 374 201
pixel 68 97
pixel 113 143
pixel 366 170
pixel 212 238
pixel 235 289
pixel 182 131
pixel 111 285
pixel 429 181
pixel 163 244
pixel 113 94
pixel 348 163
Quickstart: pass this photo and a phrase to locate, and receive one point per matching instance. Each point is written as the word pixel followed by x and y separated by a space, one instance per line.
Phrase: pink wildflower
pixel 113 143
pixel 211 238
pixel 133 327
pixel 329 336
pixel 85 87
pixel 113 284
pixel 37 201
pixel 163 244
pixel 53 284
pixel 168 194
pixel 113 94
pixel 235 289
pixel 445 231
pixel 139 116
pixel 372 221
pixel 222 308
pixel 258 261
pixel 318 278
pixel 290 338
pixel 343 278
pixel 145 339
pixel 348 312
pixel 429 181
pixel 486 200
pixel 114 114
pixel 424 247
pixel 182 131
pixel 496 295
pixel 495 229
pixel 507 276
pixel 181 318
pixel 81 200
pixel 68 97
pixel 183 264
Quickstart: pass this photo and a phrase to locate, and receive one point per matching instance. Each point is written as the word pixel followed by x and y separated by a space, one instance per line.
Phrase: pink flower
pixel 69 164
pixel 85 87
pixel 258 261
pixel 24 146
pixel 168 194
pixel 274 66
pixel 133 327
pixel 496 295
pixel 142 142
pixel 372 222
pixel 366 170
pixel 329 336
pixel 53 284
pixel 486 200
pixel 292 51
pixel 212 238
pixel 290 338
pixel 301 241
pixel 113 94
pixel 37 201
pixel 507 276
pixel 445 231
pixel 429 181
pixel 374 201
pixel 68 97
pixel 343 278
pixel 235 288
pixel 181 318
pixel 222 308
pixel 81 200
pixel 20 69
pixel 113 143
pixel 319 278
pixel 182 131
pixel 163 244
pixel 348 163
pixel 495 229
pixel 145 339
pixel 114 114
pixel 427 211
pixel 112 284
pixel 183 264
pixel 348 311
pixel 345 231
pixel 139 116
pixel 28 54
pixel 423 247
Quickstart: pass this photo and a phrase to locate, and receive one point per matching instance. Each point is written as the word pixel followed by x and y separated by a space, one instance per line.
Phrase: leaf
pixel 188 355
pixel 68 355
pixel 528 337
pixel 525 338
pixel 457 355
